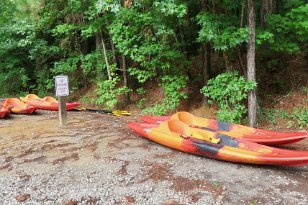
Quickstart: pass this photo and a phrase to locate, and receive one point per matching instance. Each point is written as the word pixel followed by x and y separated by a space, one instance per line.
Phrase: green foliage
pixel 141 103
pixel 108 5
pixel 300 116
pixel 228 90
pixel 13 81
pixel 273 114
pixel 64 30
pixel 221 31
pixel 68 67
pixel 108 91
pixel 170 8
pixel 141 75
pixel 264 37
pixel 287 32
pixel 145 33
pixel 92 65
pixel 304 90
pixel 16 38
pixel 173 86
pixel 216 185
pixel 253 203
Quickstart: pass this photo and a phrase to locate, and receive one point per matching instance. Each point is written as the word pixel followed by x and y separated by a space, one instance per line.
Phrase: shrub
pixel 228 90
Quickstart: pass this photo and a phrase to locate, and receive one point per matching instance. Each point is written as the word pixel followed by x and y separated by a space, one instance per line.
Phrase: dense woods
pixel 119 50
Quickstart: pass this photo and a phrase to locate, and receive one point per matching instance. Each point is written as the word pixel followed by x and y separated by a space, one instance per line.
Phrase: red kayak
pixel 4 112
pixel 18 107
pixel 233 130
pixel 47 103
pixel 178 135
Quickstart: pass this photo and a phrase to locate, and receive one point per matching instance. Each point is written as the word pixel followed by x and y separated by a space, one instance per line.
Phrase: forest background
pixel 159 56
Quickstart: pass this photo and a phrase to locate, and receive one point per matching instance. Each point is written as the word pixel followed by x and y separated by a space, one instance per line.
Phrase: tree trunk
pixel 238 49
pixel 85 46
pixel 251 66
pixel 206 68
pixel 242 13
pixel 227 61
pixel 184 46
pixel 114 58
pixel 106 57
pixel 241 61
pixel 97 41
pixel 206 58
pixel 125 79
pixel 267 7
pixel 264 7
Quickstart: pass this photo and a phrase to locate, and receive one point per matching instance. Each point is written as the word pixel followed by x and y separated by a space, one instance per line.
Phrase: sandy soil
pixel 97 160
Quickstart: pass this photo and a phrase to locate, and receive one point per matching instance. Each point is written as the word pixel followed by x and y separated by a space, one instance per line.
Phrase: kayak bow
pixel 234 130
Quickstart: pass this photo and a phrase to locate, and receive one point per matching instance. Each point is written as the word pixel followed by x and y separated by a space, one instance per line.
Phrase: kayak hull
pixel 228 149
pixel 54 106
pixel 18 107
pixel 47 103
pixel 4 112
pixel 237 131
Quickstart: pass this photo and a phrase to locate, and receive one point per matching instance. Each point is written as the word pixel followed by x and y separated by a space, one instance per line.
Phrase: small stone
pixel 71 202
pixel 22 197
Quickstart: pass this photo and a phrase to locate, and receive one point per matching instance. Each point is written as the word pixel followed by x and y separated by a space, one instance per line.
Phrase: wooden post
pixel 62 111
pixel 62 90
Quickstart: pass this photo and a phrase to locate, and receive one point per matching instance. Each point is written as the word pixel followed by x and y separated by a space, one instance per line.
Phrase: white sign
pixel 61 85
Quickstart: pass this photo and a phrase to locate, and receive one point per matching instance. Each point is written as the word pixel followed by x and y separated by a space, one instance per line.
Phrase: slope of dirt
pixel 97 160
pixel 283 91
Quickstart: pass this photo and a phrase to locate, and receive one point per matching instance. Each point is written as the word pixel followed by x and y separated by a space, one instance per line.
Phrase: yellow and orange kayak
pixel 18 107
pixel 177 135
pixel 4 112
pixel 46 103
pixel 234 130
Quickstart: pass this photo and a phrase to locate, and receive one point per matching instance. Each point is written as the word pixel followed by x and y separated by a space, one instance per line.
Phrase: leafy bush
pixel 172 88
pixel 141 102
pixel 273 114
pixel 13 82
pixel 228 90
pixel 300 116
pixel 108 91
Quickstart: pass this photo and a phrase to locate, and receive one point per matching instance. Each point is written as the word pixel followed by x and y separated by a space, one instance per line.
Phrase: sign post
pixel 62 90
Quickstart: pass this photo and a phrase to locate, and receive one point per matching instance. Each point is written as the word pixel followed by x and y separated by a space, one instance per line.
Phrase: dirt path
pixel 97 160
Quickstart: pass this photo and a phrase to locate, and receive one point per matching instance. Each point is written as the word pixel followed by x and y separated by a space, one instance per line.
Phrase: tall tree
pixel 206 58
pixel 251 65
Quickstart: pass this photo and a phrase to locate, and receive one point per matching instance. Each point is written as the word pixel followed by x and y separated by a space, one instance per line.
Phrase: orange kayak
pixel 177 135
pixel 234 130
pixel 3 112
pixel 46 103
pixel 18 107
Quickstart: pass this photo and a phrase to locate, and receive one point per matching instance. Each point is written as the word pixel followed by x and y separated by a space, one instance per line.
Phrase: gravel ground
pixel 97 160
